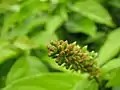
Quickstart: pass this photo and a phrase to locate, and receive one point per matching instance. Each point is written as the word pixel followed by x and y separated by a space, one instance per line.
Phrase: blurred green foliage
pixel 27 26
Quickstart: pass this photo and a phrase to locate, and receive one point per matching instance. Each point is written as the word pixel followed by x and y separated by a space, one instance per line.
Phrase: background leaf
pixel 110 48
pixel 54 23
pixel 25 66
pixel 24 43
pixel 27 26
pixel 111 65
pixel 55 81
pixel 86 85
pixel 43 38
pixel 80 24
pixel 115 3
pixel 114 78
pixel 116 88
pixel 94 12
pixel 7 51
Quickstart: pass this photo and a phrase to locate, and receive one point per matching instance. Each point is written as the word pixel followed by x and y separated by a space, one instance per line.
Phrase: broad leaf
pixel 93 10
pixel 111 65
pixel 54 23
pixel 27 27
pixel 25 66
pixel 114 78
pixel 6 51
pixel 28 9
pixel 51 81
pixel 87 85
pixel 4 69
pixel 43 38
pixel 116 88
pixel 110 48
pixel 24 43
pixel 115 3
pixel 80 24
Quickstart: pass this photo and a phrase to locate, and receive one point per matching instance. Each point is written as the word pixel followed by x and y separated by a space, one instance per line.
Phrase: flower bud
pixel 74 57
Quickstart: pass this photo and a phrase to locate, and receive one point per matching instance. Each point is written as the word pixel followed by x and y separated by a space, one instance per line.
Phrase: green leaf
pixel 51 81
pixel 111 65
pixel 28 9
pixel 110 48
pixel 94 11
pixel 5 7
pixel 115 3
pixel 80 24
pixel 25 28
pixel 4 69
pixel 114 78
pixel 10 1
pixel 43 38
pixel 87 85
pixel 6 51
pixel 58 1
pixel 25 66
pixel 54 23
pixel 2 82
pixel 24 43
pixel 116 88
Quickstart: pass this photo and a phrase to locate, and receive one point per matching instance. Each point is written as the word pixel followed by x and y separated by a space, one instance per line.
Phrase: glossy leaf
pixel 24 43
pixel 114 78
pixel 87 85
pixel 27 27
pixel 51 81
pixel 111 65
pixel 116 88
pixel 81 24
pixel 28 9
pixel 94 11
pixel 25 66
pixel 54 23
pixel 110 48
pixel 43 38
pixel 6 51
pixel 115 3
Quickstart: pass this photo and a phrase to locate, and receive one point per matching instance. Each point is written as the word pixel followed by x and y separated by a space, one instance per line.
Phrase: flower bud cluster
pixel 73 57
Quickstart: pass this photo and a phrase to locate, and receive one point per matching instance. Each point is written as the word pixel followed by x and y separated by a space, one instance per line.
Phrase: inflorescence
pixel 74 57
